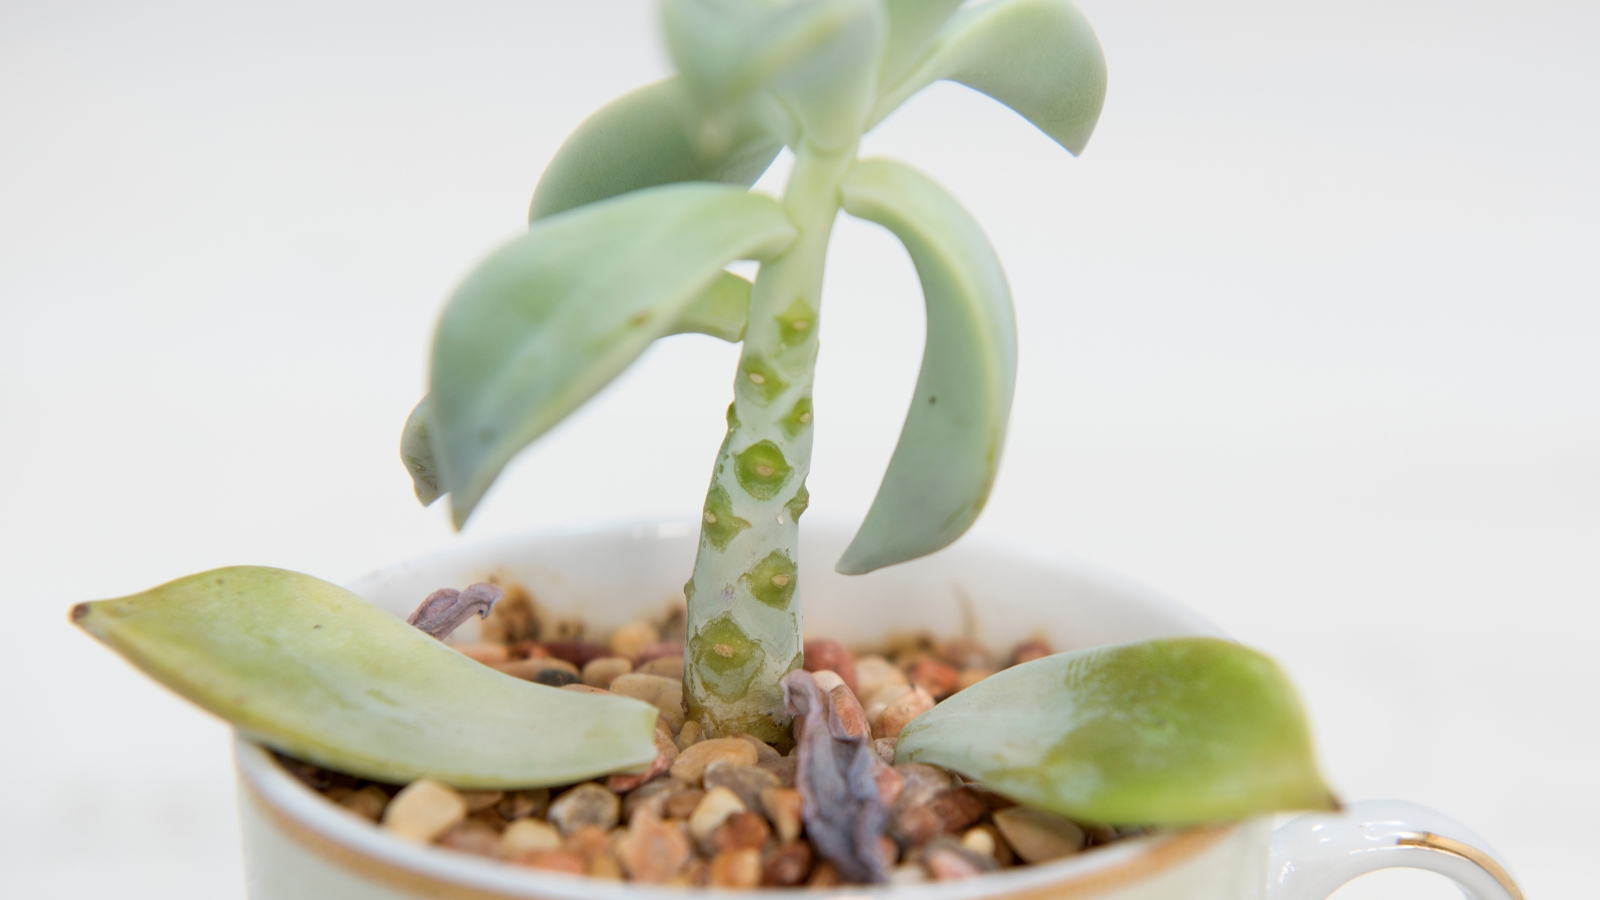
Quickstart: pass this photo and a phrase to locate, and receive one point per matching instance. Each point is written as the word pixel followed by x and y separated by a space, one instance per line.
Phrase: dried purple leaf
pixel 446 608
pixel 837 777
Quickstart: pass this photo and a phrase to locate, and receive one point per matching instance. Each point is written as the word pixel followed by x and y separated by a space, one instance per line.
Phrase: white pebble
pixel 423 810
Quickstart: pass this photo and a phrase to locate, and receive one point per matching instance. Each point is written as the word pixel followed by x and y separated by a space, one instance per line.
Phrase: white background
pixel 1310 341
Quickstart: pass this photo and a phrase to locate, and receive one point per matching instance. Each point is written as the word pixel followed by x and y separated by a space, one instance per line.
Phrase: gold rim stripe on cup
pixel 1429 841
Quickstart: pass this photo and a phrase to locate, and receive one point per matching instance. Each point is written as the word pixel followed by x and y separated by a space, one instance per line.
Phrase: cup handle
pixel 1315 854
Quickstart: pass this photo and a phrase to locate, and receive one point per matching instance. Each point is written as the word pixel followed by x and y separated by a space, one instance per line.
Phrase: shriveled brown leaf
pixel 445 609
pixel 837 777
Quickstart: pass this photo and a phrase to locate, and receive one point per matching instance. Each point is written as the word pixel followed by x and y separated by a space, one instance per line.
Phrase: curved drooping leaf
pixel 944 465
pixel 719 311
pixel 1175 731
pixel 417 453
pixel 912 25
pixel 311 669
pixel 820 56
pixel 551 317
pixel 1039 57
pixel 643 139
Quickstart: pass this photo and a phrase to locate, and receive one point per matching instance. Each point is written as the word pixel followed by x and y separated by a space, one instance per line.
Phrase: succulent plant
pixel 632 228
pixel 628 244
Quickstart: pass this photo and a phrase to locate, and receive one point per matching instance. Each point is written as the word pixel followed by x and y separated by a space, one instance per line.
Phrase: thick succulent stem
pixel 744 598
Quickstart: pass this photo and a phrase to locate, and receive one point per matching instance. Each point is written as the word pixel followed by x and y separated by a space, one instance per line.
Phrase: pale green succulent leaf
pixel 312 670
pixel 416 451
pixel 720 310
pixel 820 56
pixel 1039 57
pixel 912 25
pixel 554 315
pixel 646 138
pixel 1175 731
pixel 945 462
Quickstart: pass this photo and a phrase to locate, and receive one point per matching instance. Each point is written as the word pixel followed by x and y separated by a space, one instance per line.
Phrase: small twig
pixel 446 608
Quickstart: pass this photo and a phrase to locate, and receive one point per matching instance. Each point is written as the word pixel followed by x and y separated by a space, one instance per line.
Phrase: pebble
pixel 827 679
pixel 889 785
pixel 580 688
pixel 873 674
pixel 681 805
pixel 522 804
pixel 970 677
pixel 764 751
pixel 947 860
pixel 600 672
pixel 713 809
pixel 908 874
pixel 528 836
pixel 883 699
pixel 1038 836
pixel 691 764
pixel 902 711
pixel 884 747
pixel 746 781
pixel 689 734
pixel 847 712
pixel 659 650
pixel 665 694
pixel 423 810
pixel 1002 852
pixel 488 654
pixel 742 831
pixel 697 875
pixel 592 844
pixel 552 861
pixel 555 678
pixel 578 653
pixel 478 801
pixel 980 841
pixel 652 851
pixel 823 875
pixel 665 666
pixel 922 784
pixel 787 866
pixel 528 669
pixel 822 654
pixel 472 837
pixel 783 807
pixel 367 803
pixel 652 796
pixel 947 814
pixel 935 677
pixel 736 869
pixel 588 804
pixel 784 767
pixel 631 638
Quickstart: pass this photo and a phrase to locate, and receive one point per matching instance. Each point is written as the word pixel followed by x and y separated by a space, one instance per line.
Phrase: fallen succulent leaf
pixel 312 670
pixel 1175 731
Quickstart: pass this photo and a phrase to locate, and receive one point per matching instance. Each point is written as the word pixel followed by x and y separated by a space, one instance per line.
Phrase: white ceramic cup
pixel 298 846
